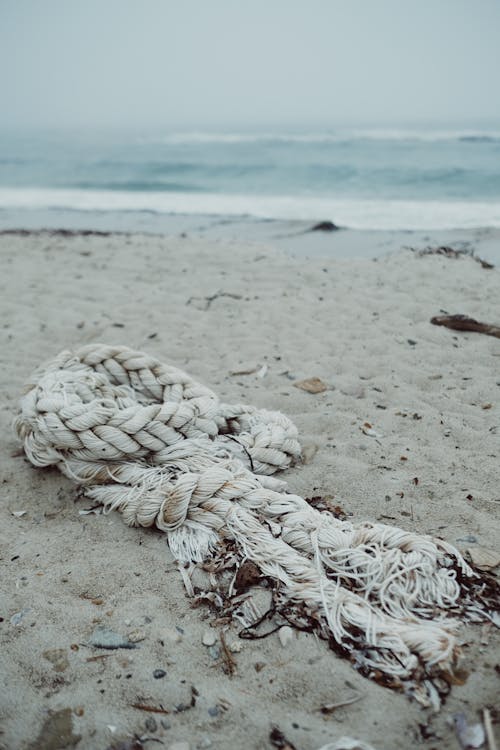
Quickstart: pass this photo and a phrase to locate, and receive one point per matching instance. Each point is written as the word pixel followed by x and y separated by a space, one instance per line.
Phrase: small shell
pixel 209 638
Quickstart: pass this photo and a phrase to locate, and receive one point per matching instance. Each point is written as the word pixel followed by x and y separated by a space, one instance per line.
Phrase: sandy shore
pixel 212 307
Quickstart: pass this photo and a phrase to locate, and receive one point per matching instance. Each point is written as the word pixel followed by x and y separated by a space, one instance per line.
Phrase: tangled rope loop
pixel 144 438
pixel 104 403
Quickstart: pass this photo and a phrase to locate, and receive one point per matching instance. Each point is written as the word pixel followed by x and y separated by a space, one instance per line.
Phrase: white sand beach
pixel 214 307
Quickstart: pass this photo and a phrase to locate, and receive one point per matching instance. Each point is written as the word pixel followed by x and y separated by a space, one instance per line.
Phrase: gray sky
pixel 209 63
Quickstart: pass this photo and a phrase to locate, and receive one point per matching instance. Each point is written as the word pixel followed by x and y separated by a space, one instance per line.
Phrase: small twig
pixel 328 708
pixel 488 728
pixel 208 300
pixel 149 709
pixel 98 658
pixel 229 660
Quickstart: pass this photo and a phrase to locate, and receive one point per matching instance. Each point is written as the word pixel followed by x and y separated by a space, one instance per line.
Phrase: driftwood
pixel 464 323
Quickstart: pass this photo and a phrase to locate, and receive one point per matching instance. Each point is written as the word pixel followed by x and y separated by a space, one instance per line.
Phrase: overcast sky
pixel 242 63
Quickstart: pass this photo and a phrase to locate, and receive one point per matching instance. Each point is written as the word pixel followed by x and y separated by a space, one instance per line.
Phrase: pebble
pixel 214 711
pixel 285 634
pixel 103 637
pixel 159 673
pixel 209 638
pixel 165 724
pixel 151 724
pixel 235 647
pixel 214 651
pixel 137 635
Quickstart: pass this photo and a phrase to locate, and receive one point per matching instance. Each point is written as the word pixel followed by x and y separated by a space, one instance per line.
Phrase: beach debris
pixel 469 735
pixel 104 637
pixel 329 708
pixel 324 226
pixel 248 575
pixel 465 323
pixel 245 370
pixel 347 743
pixel 229 662
pixel 484 558
pixel 137 635
pixel 367 429
pixel 325 502
pixel 17 618
pixel 209 637
pixel 278 740
pixel 56 732
pixel 150 708
pixel 158 674
pixel 90 597
pixel 311 385
pixel 96 510
pixel 19 513
pixel 488 728
pixel 285 634
pixel 203 303
pixel 450 252
pixel 262 372
pixel 57 657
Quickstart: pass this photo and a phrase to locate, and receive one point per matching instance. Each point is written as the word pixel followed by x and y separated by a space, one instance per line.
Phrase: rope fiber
pixel 144 438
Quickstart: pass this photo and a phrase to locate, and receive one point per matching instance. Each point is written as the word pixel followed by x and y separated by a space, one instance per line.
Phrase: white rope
pixel 145 439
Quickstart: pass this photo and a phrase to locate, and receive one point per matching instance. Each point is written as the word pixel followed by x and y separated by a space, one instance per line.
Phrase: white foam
pixel 355 214
pixel 378 134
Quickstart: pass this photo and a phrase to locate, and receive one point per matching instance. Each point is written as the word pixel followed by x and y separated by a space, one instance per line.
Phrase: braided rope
pixel 146 439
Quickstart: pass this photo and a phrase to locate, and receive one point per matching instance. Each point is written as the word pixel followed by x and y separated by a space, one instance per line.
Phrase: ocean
pixel 362 179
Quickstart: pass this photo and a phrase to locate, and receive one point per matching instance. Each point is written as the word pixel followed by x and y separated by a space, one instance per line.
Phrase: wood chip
pixel 484 558
pixel 311 385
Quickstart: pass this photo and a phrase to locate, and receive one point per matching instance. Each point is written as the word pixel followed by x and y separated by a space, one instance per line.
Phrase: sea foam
pixel 355 214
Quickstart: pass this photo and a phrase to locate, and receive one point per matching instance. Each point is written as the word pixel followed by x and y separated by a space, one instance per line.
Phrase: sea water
pixel 357 178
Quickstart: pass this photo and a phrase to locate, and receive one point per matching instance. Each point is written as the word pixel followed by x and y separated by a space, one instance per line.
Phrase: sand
pixel 213 307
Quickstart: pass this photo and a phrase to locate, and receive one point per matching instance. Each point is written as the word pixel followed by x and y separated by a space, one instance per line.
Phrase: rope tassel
pixel 145 439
